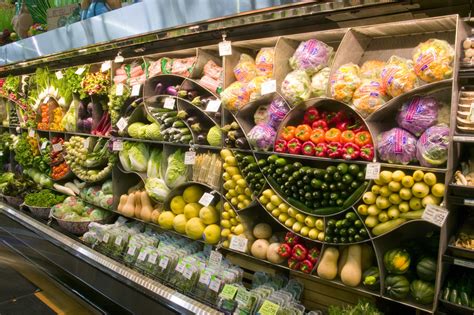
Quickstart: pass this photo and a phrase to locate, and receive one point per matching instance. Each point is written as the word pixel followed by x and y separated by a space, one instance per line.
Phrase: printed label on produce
pixel 169 103
pixel 131 250
pixel 213 106
pixel 57 147
pixel 215 284
pixel 268 308
pixel 464 263
pixel 242 296
pixel 238 243
pixel 121 124
pixel 119 89
pixel 188 272
pixel 189 158
pixel 469 202
pixel 180 267
pixel 435 214
pixel 142 255
pixel 206 199
pixel 164 262
pixel 43 145
pixel 268 87
pixel 119 59
pixel 215 258
pixel 118 240
pixel 205 278
pixel 225 48
pixel 31 133
pixel 105 66
pixel 106 237
pixel 117 145
pixel 135 90
pixel 152 258
pixel 372 171
pixel 228 292
pixel 80 70
pixel 59 75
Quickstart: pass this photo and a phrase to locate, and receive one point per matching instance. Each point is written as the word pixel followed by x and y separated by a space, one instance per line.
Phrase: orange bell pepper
pixel 362 138
pixel 317 136
pixel 303 132
pixel 333 135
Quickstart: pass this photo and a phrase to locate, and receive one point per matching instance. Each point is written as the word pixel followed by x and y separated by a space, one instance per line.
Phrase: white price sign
pixel 238 243
pixel 59 75
pixel 152 258
pixel 105 66
pixel 142 255
pixel 118 59
pixel 106 237
pixel 57 147
pixel 118 240
pixel 135 90
pixel 469 202
pixel 117 145
pixel 372 171
pixel 31 133
pixel 435 214
pixel 225 48
pixel 121 124
pixel 189 158
pixel 86 143
pixel 43 145
pixel 215 258
pixel 169 103
pixel 119 89
pixel 215 285
pixel 131 250
pixel 268 87
pixel 164 262
pixel 213 106
pixel 80 70
pixel 206 199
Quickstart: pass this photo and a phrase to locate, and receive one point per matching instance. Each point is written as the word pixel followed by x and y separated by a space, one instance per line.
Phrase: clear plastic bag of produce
pixel 433 60
pixel 296 87
pixel 235 96
pixel 245 70
pixel 396 146
pixel 262 137
pixel 254 87
pixel 277 111
pixel 212 70
pixel 369 97
pixel 432 147
pixel 319 82
pixel 371 70
pixel 311 56
pixel 344 82
pixel 418 114
pixel 264 62
pixel 398 76
pixel 261 115
pixel 183 66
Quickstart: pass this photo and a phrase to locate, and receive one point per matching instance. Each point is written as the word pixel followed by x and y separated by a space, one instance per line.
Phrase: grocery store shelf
pixel 463 262
pixel 458 309
pixel 411 303
pixel 463 138
pixel 466 73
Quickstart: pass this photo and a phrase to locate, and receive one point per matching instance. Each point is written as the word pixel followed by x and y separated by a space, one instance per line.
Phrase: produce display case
pixel 266 186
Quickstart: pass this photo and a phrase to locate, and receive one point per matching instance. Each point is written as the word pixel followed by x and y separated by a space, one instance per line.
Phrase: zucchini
pixel 446 294
pixel 178 124
pixel 327 211
pixel 412 215
pixel 453 295
pixel 385 227
pixel 355 195
pixel 298 204
pixel 465 299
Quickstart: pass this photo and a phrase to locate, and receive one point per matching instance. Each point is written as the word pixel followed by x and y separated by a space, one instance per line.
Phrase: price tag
pixel 435 214
pixel 189 158
pixel 142 255
pixel 469 202
pixel 57 147
pixel 117 145
pixel 86 143
pixel 215 258
pixel 106 237
pixel 59 75
pixel 180 267
pixel 225 48
pixel 242 296
pixel 188 272
pixel 169 103
pixel 268 308
pixel 213 106
pixel 463 263
pixel 205 278
pixel 135 90
pixel 152 258
pixel 118 59
pixel 372 171
pixel 118 240
pixel 206 199
pixel 268 87
pixel 228 292
pixel 80 70
pixel 31 133
pixel 131 250
pixel 164 262
pixel 121 124
pixel 238 243
pixel 215 284
pixel 105 66
pixel 43 145
pixel 119 89
pixel 18 129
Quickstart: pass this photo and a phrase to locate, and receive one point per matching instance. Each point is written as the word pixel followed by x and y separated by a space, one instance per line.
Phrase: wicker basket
pixel 39 212
pixel 79 228
pixel 13 201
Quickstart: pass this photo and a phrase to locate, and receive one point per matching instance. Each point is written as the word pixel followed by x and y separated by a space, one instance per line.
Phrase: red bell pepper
pixel 334 150
pixel 284 250
pixel 299 252
pixel 281 146
pixel 293 264
pixel 303 132
pixel 333 135
pixel 308 148
pixel 367 152
pixel 310 115
pixel 357 126
pixel 288 133
pixel 291 239
pixel 335 117
pixel 306 266
pixel 362 138
pixel 343 124
pixel 313 255
pixel 350 151
pixel 320 124
pixel 294 146
pixel 317 136
pixel 321 150
pixel 348 136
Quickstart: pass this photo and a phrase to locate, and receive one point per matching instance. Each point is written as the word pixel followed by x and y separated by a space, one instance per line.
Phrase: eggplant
pixel 158 88
pixel 172 90
pixel 192 120
pixel 82 110
pixel 80 125
pixel 229 142
pixel 241 143
pixel 201 138
pixel 192 94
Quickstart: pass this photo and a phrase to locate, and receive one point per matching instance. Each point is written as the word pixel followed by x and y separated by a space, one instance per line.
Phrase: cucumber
pixel 385 227
pixel 412 215
pixel 326 211
pixel 355 195
pixel 299 205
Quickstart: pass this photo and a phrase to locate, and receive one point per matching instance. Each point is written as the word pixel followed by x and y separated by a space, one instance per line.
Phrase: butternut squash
pixel 138 205
pixel 155 214
pixel 351 273
pixel 147 208
pixel 128 209
pixel 327 268
pixel 342 259
pixel 122 202
pixel 367 256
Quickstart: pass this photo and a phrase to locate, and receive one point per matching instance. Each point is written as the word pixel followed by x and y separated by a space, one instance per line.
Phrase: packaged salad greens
pixel 433 60
pixel 369 97
pixel 344 82
pixel 398 76
pixel 432 147
pixel 371 70
pixel 245 70
pixel 264 62
pixel 418 114
pixel 296 87
pixel 319 82
pixel 396 146
pixel 311 56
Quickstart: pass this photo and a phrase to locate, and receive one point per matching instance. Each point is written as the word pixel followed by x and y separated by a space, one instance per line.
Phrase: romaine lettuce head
pixel 176 171
pixel 138 155
pixel 156 188
pixel 124 157
pixel 154 163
